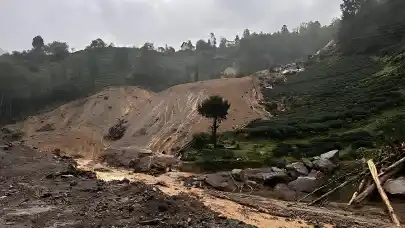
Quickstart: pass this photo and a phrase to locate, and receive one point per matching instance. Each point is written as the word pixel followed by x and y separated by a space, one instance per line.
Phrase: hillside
pixel 49 74
pixel 157 121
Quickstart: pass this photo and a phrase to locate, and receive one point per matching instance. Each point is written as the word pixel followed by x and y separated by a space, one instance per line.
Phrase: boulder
pixel 317 174
pixel 304 184
pixel 324 165
pixel 395 186
pixel 155 164
pixel 236 174
pixel 266 175
pixel 299 167
pixel 100 168
pixel 220 181
pixel 332 155
pixel 282 191
pixel 307 163
pixel 276 169
pixel 126 157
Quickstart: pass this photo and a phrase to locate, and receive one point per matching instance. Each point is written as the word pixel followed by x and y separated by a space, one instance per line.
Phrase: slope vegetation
pixel 156 121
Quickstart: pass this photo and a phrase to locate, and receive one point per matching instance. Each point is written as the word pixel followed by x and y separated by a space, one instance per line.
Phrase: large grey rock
pixel 304 184
pixel 317 174
pixel 395 186
pixel 221 181
pixel 332 155
pixel 266 175
pixel 307 163
pixel 299 167
pixel 324 165
pixel 284 192
pixel 276 169
pixel 157 163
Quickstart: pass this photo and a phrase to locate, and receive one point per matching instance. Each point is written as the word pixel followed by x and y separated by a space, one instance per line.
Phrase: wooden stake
pixel 374 174
pixel 359 189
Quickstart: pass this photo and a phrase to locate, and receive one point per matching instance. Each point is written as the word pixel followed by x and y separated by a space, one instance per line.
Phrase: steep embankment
pixel 156 121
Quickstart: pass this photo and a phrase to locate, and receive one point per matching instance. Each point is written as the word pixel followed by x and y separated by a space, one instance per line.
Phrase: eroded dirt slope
pixel 156 121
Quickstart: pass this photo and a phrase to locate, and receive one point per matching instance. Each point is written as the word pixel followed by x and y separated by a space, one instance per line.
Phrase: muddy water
pixel 226 208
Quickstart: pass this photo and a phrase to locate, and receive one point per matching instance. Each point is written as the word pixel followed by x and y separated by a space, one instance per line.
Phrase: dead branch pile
pixel 117 131
pixel 388 163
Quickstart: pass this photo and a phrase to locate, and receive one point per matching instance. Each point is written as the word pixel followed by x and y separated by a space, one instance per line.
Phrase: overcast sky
pixel 134 22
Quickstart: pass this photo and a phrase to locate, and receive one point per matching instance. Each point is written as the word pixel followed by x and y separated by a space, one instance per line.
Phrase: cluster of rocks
pixel 288 182
pixel 140 160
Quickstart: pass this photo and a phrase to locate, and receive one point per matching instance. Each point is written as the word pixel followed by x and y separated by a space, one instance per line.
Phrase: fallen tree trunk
pixel 374 174
pixel 336 188
pixel 383 177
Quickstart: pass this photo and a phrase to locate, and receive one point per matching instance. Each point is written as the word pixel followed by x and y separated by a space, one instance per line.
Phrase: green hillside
pixel 49 74
pixel 341 101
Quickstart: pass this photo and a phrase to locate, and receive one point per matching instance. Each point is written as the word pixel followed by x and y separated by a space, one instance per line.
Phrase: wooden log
pixel 335 189
pixel 383 177
pixel 374 174
pixel 359 189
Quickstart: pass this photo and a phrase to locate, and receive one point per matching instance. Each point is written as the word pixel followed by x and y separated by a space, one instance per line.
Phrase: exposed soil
pixel 256 210
pixel 43 190
pixel 156 121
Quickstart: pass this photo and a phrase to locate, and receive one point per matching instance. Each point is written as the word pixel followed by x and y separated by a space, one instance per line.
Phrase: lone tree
pixel 215 108
pixel 38 43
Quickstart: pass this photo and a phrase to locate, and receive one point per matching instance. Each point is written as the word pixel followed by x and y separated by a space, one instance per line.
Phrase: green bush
pixel 200 140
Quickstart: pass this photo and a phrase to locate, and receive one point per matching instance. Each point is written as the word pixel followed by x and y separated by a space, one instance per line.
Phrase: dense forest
pixel 51 73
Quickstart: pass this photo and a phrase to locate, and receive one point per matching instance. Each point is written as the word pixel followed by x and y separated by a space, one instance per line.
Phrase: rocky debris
pixel 395 186
pixel 332 155
pixel 307 163
pixel 299 167
pixel 72 200
pixel 304 184
pixel 155 165
pixel 5 147
pixel 126 157
pixel 117 131
pixel 317 174
pixel 324 165
pixel 282 191
pixel 46 127
pixel 221 181
pixel 100 168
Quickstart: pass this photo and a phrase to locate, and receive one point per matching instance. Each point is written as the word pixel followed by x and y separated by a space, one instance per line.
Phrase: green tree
pixel 201 45
pixel 215 108
pixel 213 40
pixel 98 43
pixel 246 33
pixel 237 39
pixel 37 43
pixel 222 43
pixel 59 50
pixel 284 30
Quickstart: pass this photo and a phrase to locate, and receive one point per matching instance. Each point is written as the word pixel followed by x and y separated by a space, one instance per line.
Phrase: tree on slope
pixel 37 42
pixel 215 108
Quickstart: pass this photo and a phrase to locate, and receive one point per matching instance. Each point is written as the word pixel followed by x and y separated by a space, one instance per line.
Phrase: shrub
pixel 283 149
pixel 200 140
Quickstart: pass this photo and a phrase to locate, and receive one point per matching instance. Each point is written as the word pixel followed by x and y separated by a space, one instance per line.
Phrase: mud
pixel 161 122
pixel 41 190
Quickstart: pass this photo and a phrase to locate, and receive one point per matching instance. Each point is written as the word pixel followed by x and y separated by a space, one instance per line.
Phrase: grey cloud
pixel 133 22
